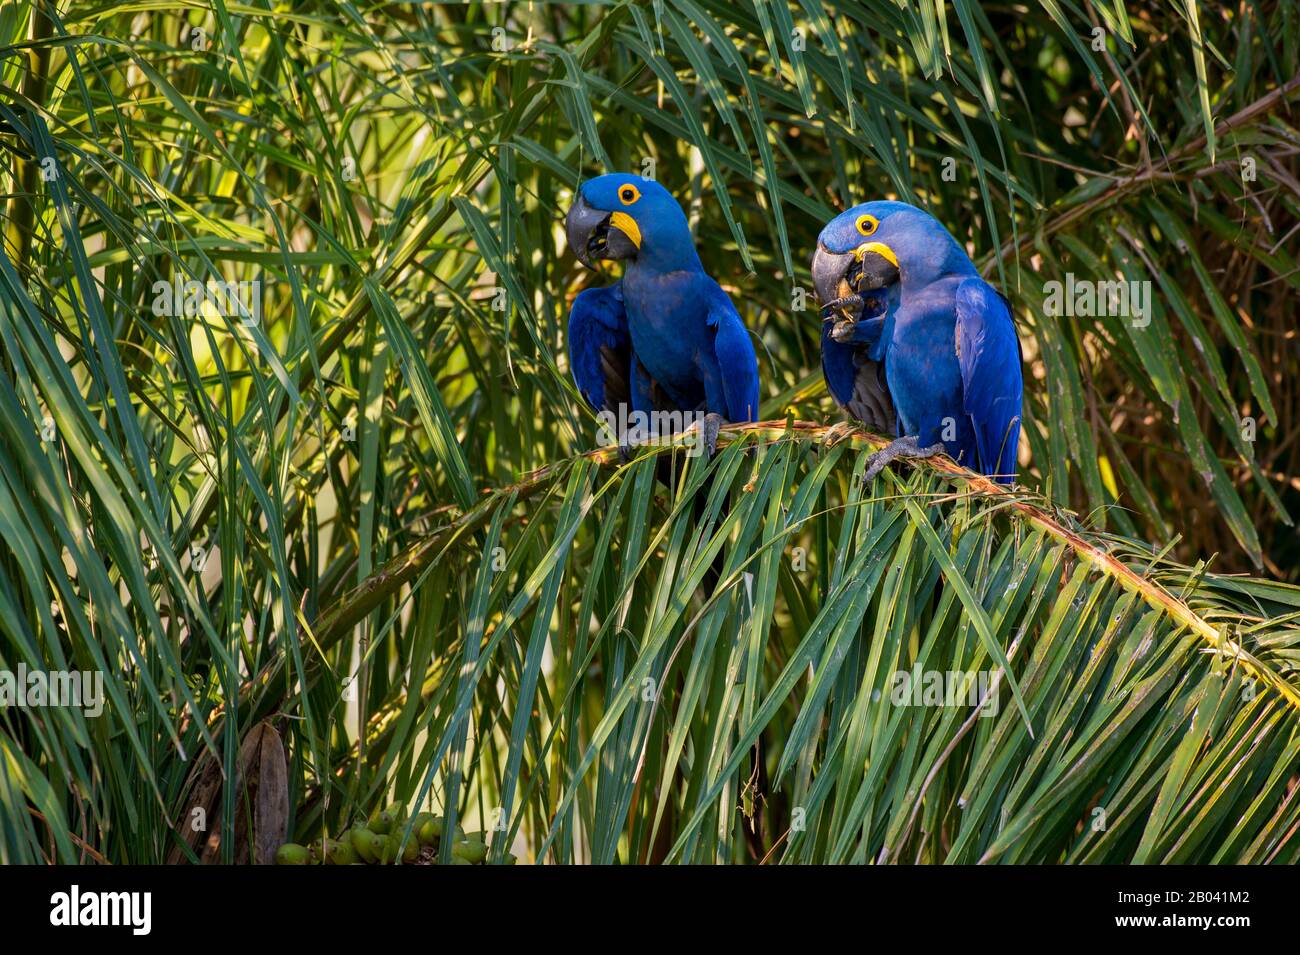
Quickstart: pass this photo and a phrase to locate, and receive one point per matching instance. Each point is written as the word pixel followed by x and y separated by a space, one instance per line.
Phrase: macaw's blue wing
pixel 600 348
pixel 854 369
pixel 838 367
pixel 988 353
pixel 737 363
pixel 857 383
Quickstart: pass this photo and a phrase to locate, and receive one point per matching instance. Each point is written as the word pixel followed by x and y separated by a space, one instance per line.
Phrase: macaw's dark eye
pixel 867 224
pixel 628 194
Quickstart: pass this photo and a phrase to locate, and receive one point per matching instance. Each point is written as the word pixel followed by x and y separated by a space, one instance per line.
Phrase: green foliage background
pixel 237 524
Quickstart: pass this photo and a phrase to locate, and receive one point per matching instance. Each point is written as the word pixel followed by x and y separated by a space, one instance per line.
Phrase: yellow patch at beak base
pixel 627 225
pixel 879 248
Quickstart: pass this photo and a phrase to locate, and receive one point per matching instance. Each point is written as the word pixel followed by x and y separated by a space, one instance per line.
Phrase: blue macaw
pixel 914 342
pixel 665 337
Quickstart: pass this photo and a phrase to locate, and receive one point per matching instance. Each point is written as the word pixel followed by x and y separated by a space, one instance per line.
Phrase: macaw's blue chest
pixel 666 317
pixel 921 362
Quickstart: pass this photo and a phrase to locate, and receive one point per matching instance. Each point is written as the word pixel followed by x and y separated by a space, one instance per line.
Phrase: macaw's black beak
pixel 841 278
pixel 590 236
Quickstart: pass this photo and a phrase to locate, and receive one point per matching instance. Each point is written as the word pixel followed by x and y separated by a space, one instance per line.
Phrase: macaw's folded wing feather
pixel 857 383
pixel 988 352
pixel 737 362
pixel 600 348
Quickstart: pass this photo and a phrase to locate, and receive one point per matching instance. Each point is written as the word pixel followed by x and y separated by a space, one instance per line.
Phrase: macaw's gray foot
pixel 626 452
pixel 904 447
pixel 708 428
pixel 837 433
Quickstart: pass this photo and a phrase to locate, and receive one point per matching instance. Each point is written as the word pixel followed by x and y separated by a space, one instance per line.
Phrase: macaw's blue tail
pixel 974 447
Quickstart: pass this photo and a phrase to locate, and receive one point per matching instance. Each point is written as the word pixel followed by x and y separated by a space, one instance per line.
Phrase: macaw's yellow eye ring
pixel 628 194
pixel 867 224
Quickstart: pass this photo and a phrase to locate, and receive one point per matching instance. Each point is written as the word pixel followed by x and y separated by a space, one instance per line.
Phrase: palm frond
pixel 768 712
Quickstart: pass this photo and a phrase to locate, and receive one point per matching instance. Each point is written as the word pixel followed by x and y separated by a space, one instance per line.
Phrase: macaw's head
pixel 621 216
pixel 877 245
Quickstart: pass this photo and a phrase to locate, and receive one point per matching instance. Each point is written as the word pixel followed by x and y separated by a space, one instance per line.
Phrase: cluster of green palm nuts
pixel 379 841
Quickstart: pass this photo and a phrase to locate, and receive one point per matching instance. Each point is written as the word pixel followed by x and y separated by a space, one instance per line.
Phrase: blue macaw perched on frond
pixel 914 342
pixel 665 337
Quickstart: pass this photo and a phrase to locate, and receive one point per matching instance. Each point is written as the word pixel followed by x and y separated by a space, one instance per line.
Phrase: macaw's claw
pixel 849 304
pixel 904 447
pixel 842 331
pixel 708 428
pixel 625 452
